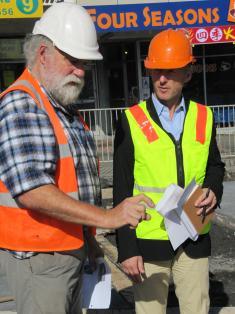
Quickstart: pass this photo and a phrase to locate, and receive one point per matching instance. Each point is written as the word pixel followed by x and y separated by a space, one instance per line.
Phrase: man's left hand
pixel 206 202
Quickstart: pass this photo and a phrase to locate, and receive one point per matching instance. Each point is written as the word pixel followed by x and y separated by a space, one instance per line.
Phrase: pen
pixel 204 207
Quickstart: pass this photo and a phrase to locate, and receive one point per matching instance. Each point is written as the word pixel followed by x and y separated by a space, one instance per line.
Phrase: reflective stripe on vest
pixel 144 123
pixel 201 123
pixel 150 189
pixel 155 164
pixel 28 230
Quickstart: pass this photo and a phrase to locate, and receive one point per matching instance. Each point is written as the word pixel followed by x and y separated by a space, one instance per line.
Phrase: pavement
pixel 226 214
pixel 122 298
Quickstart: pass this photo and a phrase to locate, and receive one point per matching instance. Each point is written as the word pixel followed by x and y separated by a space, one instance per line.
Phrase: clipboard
pixel 191 211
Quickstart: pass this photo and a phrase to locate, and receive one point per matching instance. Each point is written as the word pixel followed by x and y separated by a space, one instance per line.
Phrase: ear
pixel 42 53
pixel 188 75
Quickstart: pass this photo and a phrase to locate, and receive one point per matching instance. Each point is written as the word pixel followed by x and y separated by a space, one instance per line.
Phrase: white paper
pixel 178 226
pixel 170 199
pixel 192 232
pixel 177 233
pixel 96 287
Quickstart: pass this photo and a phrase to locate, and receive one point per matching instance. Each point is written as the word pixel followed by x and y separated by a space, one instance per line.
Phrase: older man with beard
pixel 49 188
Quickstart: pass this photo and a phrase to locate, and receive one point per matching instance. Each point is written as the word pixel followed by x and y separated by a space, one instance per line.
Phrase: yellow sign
pixel 20 8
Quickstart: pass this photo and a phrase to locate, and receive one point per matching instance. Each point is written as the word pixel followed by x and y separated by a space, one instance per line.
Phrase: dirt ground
pixel 222 266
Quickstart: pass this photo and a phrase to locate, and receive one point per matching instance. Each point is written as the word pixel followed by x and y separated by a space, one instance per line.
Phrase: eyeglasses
pixel 79 63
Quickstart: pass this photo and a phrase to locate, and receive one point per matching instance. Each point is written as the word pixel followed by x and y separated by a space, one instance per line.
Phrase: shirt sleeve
pixel 28 144
pixel 215 169
pixel 123 182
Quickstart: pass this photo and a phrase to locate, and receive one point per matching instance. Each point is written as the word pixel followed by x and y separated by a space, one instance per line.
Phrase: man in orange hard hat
pixel 49 184
pixel 163 140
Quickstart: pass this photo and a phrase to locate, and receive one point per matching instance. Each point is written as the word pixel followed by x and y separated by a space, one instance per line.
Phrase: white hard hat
pixel 71 29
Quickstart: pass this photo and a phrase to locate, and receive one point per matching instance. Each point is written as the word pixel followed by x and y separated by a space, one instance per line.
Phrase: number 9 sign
pixel 27 6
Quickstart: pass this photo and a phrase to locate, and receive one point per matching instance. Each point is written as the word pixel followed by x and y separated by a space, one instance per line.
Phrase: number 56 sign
pixel 20 8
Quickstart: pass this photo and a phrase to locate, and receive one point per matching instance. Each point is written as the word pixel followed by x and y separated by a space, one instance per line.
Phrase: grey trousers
pixel 47 283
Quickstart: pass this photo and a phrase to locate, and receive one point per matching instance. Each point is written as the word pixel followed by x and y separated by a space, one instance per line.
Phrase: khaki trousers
pixel 191 279
pixel 47 283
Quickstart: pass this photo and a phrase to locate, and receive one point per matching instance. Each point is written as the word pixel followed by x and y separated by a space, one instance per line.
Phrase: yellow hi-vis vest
pixel 156 162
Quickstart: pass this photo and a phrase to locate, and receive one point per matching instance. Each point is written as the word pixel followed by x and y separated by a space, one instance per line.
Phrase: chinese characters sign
pixel 21 8
pixel 212 34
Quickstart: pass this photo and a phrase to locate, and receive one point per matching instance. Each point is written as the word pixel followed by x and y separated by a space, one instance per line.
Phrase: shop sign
pixel 207 35
pixel 161 15
pixel 20 8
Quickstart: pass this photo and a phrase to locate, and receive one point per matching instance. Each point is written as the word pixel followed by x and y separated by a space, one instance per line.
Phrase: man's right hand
pixel 50 201
pixel 130 211
pixel 134 268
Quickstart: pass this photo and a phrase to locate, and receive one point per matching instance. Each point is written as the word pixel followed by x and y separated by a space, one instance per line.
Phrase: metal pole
pixel 204 73
pixel 139 71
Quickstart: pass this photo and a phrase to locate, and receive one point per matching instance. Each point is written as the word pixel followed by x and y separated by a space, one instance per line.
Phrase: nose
pixel 163 78
pixel 79 71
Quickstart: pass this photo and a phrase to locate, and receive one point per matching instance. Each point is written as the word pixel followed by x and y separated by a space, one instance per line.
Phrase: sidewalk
pixel 226 214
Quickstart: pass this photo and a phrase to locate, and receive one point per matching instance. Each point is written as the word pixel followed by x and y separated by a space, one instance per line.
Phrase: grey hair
pixel 31 45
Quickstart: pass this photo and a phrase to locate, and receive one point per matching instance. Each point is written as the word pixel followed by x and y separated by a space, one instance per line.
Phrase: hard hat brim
pixel 167 65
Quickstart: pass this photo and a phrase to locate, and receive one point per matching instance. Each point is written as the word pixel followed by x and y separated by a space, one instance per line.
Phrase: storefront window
pixel 9 72
pixel 121 68
pixel 11 48
pixel 197 51
pixel 220 82
pixel 88 97
pixel 216 49
pixel 194 89
pixel 11 60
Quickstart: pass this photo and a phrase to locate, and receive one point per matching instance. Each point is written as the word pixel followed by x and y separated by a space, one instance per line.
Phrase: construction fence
pixel 103 124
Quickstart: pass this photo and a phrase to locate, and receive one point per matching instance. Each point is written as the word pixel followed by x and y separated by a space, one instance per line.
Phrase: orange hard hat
pixel 170 49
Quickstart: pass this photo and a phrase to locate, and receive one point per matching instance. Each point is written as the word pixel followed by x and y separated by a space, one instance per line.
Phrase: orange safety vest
pixel 28 230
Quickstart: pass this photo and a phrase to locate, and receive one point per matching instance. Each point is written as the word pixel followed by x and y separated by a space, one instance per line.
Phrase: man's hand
pixel 130 211
pixel 206 202
pixel 134 268
pixel 50 201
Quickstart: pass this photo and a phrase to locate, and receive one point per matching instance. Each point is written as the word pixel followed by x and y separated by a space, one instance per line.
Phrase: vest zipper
pixel 180 165
pixel 179 158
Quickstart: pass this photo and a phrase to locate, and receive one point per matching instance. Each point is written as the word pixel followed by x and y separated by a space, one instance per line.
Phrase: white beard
pixel 66 90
